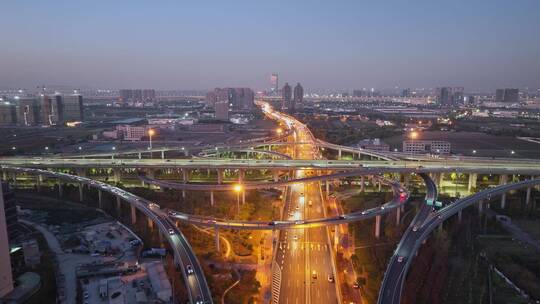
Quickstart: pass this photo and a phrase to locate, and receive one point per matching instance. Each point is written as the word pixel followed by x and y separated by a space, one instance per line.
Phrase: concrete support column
pixel 406 179
pixel 140 155
pixel 362 183
pixel 377 226
pixel 150 223
pixel 336 238
pixel 162 154
pixel 528 196
pixel 243 197
pixel 116 175
pixel 327 183
pixel 472 181
pixel 241 175
pixel 133 214
pixel 118 205
pixel 100 199
pixel 4 175
pixel 459 216
pixel 212 198
pixel 503 200
pixel 379 184
pixel 60 190
pixel 339 154
pixel 185 177
pixel 480 206
pixel 216 235
pixel 398 216
pixel 39 180
pixel 275 174
pixel 80 192
pixel 220 176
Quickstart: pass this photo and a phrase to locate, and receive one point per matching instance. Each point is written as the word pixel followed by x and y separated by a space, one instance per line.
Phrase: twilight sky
pixel 342 44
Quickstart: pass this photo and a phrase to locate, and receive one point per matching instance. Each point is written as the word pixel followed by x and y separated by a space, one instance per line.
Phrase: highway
pixel 473 166
pixel 304 254
pixel 396 272
pixel 410 243
pixel 196 284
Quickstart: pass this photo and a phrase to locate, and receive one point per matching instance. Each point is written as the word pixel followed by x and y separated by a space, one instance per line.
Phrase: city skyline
pixel 484 45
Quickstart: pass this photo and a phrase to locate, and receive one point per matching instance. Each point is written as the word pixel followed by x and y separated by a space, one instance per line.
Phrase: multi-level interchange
pixel 303 174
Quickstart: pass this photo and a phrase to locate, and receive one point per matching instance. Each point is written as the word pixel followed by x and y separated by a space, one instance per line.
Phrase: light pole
pixel 237 188
pixel 151 133
pixel 413 135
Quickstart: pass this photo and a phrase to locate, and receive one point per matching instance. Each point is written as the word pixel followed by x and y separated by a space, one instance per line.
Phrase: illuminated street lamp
pixel 473 151
pixel 279 131
pixel 512 152
pixel 237 188
pixel 151 133
pixel 13 148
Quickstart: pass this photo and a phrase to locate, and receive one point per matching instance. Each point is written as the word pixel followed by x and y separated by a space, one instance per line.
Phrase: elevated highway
pixel 183 253
pixel 420 230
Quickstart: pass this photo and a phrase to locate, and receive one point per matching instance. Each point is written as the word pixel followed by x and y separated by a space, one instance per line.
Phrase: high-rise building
pixel 507 95
pixel 28 111
pixel 221 109
pixel 6 277
pixel 406 93
pixel 71 108
pixel 136 95
pixel 238 98
pixel 274 83
pixel 298 96
pixel 447 96
pixel 287 96
pixel 8 113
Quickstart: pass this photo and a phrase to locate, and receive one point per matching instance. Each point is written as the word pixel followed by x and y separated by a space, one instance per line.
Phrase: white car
pixel 189 269
pixel 400 259
pixel 171 231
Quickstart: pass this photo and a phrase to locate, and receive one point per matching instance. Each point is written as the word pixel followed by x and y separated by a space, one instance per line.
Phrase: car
pixel 400 259
pixel 297 207
pixel 355 285
pixel 189 269
pixel 199 300
pixel 341 217
pixel 330 279
pixel 299 222
pixel 86 295
pixel 271 223
pixel 382 207
pixel 171 231
pixel 171 213
pixel 295 238
pixel 310 203
pixel 314 274
pixel 415 228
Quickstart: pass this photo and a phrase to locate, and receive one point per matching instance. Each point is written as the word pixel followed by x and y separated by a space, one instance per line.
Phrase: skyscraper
pixel 507 95
pixel 28 111
pixel 287 95
pixel 238 98
pixel 447 96
pixel 221 109
pixel 298 96
pixel 274 83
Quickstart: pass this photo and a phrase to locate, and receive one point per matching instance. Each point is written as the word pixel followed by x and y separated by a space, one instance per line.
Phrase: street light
pixel 512 152
pixel 279 131
pixel 473 151
pixel 151 133
pixel 237 188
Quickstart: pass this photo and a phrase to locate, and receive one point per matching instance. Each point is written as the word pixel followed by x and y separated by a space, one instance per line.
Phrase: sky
pixel 203 44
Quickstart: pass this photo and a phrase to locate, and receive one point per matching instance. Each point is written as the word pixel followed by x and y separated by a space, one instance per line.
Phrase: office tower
pixel 28 111
pixel 287 95
pixel 274 83
pixel 8 113
pixel 298 96
pixel 6 277
pixel 71 108
pixel 49 110
pixel 359 93
pixel 221 109
pixel 507 95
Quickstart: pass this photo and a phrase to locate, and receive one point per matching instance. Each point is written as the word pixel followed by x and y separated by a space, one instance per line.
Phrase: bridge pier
pixel 241 176
pixel 503 179
pixel 116 175
pixel 140 155
pixel 80 192
pixel 100 199
pixel 377 226
pixel 149 223
pixel 459 216
pixel 472 181
pixel 243 196
pixel 362 183
pixel 216 236
pixel 275 174
pixel 133 215
pixel 162 154
pixel 185 176
pixel 379 184
pixel 60 190
pixel 481 206
pixel 528 196
pixel 406 179
pixel 336 238
pixel 211 198
pixel 220 176
pixel 39 180
pixel 327 184
pixel 398 216
pixel 339 154
pixel 118 206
